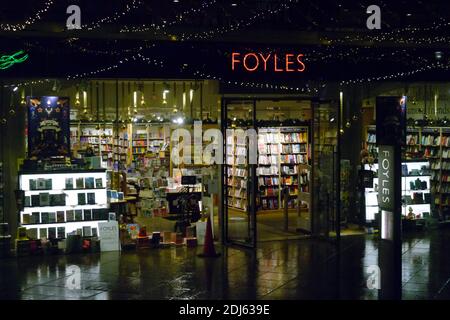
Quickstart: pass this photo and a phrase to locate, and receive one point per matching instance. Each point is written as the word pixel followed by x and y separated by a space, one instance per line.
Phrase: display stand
pixel 60 203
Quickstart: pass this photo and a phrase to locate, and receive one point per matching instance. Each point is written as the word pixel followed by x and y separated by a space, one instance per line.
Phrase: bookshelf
pixel 416 195
pixel 280 151
pixel 148 138
pixel 431 144
pixel 102 140
pixel 237 172
pixel 63 202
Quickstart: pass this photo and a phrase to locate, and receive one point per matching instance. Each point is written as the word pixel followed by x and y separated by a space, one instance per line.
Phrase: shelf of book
pixel 236 166
pixel 280 151
pixel 432 144
pixel 57 204
pixel 101 139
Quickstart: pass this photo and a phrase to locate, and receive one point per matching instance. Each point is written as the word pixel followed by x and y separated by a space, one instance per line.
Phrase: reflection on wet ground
pixel 296 269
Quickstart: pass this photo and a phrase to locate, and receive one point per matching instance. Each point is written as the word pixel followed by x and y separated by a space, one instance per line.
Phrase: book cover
pixel 40 184
pixel 54 200
pixel 26 219
pixel 48 184
pixel 99 183
pixel 89 183
pixel 69 183
pixel 27 201
pixel 44 199
pixel 96 213
pixel 91 198
pixel 35 217
pixel 52 233
pixel 43 233
pixel 32 233
pixel 81 199
pixel 35 200
pixel 51 217
pixel 87 231
pixel 61 232
pixel 94 232
pixel 60 216
pixel 45 217
pixel 80 183
pixel 87 214
pixel 70 216
pixel 104 214
pixel 33 184
pixel 78 215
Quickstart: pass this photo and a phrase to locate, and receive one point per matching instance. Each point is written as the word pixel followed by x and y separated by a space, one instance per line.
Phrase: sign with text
pixel 267 62
pixel 109 236
pixel 386 190
pixel 386 177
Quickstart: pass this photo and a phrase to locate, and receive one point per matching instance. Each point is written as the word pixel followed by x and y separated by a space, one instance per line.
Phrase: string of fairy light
pixel 115 16
pixel 262 14
pixel 397 75
pixel 165 23
pixel 37 15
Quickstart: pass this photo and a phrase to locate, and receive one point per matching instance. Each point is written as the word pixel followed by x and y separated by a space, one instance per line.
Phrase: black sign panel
pixel 391 121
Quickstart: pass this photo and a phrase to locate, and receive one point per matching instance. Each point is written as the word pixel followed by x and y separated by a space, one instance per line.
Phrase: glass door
pixel 239 172
pixel 325 171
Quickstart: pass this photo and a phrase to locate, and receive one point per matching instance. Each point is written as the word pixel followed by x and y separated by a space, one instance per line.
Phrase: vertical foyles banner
pixel 391 136
pixel 386 190
pixel 48 127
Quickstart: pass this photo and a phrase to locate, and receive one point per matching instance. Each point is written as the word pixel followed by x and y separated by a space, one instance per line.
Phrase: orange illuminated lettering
pixel 289 55
pixel 275 64
pixel 265 60
pixel 233 60
pixel 245 61
pixel 300 62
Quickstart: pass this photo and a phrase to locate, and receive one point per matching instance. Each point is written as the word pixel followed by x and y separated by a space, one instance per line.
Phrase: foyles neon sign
pixel 7 61
pixel 252 61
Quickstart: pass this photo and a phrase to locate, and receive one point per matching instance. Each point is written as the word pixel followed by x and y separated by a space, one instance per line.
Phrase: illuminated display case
pixel 416 195
pixel 63 202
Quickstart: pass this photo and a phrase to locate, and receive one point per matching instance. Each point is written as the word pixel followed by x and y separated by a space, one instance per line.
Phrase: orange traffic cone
pixel 209 251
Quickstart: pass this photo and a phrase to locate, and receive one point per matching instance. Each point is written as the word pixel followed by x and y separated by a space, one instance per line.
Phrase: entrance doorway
pixel 279 156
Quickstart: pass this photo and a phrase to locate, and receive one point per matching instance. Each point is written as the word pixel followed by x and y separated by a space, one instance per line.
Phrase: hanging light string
pixel 179 18
pixel 305 89
pixel 115 16
pixel 37 15
pixel 398 74
pixel 136 57
pixel 261 15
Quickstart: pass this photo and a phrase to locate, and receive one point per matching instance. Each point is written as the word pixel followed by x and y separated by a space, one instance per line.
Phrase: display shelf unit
pixel 416 192
pixel 280 151
pixel 66 202
pixel 100 137
pixel 237 172
pixel 432 144
pixel 148 138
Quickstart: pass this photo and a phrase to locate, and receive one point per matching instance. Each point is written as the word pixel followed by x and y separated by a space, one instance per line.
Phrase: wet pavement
pixel 295 269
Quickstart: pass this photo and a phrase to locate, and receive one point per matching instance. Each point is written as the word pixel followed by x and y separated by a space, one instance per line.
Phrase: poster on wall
pixel 48 127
